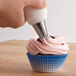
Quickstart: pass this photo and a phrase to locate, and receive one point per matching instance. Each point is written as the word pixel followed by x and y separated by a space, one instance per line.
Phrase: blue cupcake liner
pixel 46 63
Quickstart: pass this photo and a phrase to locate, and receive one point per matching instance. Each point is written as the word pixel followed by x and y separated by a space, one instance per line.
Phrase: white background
pixel 61 21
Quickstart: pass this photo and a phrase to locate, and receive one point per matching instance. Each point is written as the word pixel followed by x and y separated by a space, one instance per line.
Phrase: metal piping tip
pixel 41 29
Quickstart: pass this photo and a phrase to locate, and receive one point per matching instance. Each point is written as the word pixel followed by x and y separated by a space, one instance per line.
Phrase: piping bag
pixel 36 18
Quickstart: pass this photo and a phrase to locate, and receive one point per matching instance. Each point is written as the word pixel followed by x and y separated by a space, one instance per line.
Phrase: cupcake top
pixel 49 45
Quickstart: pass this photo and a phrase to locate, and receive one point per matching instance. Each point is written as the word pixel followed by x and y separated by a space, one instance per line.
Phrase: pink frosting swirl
pixel 49 45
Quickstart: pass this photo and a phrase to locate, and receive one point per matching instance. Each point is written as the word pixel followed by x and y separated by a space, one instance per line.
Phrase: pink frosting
pixel 50 45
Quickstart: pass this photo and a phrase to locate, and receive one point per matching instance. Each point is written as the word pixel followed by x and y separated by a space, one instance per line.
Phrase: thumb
pixel 37 3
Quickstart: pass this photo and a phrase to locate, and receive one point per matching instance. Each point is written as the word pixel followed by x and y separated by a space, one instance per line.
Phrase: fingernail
pixel 44 2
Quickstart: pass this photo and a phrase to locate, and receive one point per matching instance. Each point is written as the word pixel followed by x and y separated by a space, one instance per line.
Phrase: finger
pixel 36 3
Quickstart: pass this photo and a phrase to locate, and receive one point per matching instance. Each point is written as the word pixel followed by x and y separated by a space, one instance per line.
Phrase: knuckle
pixel 16 25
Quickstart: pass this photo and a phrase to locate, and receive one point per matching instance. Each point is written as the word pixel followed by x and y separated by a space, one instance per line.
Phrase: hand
pixel 12 14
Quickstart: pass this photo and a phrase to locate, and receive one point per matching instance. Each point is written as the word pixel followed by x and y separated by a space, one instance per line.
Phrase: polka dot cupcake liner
pixel 47 63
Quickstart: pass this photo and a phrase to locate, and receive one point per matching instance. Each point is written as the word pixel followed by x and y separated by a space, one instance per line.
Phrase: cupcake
pixel 47 55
